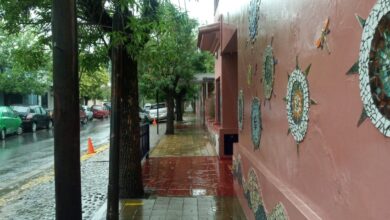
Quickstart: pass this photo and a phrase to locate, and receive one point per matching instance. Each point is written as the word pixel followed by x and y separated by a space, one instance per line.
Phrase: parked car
pixel 144 116
pixel 10 122
pixel 162 111
pixel 147 107
pixel 107 105
pixel 83 116
pixel 33 117
pixel 100 111
pixel 88 112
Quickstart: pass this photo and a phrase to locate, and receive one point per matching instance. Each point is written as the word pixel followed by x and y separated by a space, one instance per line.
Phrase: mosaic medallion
pixel 268 72
pixel 256 123
pixel 237 170
pixel 240 109
pixel 374 67
pixel 278 213
pixel 252 193
pixel 298 103
pixel 253 196
pixel 253 19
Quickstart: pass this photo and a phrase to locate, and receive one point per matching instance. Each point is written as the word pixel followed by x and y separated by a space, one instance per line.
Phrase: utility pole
pixel 66 111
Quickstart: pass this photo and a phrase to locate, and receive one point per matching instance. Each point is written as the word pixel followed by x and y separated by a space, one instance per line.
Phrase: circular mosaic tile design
pixel 278 213
pixel 298 103
pixel 256 123
pixel 374 66
pixel 253 19
pixel 268 72
pixel 240 109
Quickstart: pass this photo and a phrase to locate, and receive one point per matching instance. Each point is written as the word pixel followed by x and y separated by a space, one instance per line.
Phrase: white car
pixel 162 111
pixel 147 107
pixel 88 112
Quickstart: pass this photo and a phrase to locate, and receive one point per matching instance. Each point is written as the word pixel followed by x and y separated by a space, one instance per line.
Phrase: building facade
pixel 305 85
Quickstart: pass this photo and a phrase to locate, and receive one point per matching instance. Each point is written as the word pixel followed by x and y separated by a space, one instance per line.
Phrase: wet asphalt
pixel 26 172
pixel 24 156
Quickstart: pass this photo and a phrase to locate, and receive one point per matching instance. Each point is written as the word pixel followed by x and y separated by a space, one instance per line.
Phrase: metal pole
pixel 66 110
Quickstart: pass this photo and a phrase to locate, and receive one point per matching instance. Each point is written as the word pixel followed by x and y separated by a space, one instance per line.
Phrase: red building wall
pixel 341 171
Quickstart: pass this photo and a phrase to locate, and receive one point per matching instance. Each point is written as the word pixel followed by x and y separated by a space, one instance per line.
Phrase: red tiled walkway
pixel 185 180
pixel 188 176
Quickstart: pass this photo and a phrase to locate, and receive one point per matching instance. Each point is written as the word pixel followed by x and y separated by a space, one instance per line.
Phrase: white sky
pixel 202 10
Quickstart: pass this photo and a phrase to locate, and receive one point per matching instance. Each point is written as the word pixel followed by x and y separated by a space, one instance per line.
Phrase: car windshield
pixel 98 107
pixel 160 105
pixel 20 108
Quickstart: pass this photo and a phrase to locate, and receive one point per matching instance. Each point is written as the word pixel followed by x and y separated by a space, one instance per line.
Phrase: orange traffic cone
pixel 91 149
pixel 154 122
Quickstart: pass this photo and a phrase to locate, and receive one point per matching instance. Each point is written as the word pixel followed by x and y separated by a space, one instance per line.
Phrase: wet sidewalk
pixel 186 180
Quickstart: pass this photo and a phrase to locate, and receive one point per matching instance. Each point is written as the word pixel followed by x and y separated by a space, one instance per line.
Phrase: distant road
pixel 24 156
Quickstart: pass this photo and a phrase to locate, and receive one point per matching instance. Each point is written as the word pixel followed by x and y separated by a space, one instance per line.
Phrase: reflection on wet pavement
pixel 188 176
pixel 185 180
pixel 207 207
pixel 189 140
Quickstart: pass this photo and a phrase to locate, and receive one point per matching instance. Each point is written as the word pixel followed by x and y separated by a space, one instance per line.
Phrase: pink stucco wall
pixel 342 171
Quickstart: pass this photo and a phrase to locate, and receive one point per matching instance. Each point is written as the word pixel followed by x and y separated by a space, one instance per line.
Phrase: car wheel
pixel 2 135
pixel 49 124
pixel 34 127
pixel 19 131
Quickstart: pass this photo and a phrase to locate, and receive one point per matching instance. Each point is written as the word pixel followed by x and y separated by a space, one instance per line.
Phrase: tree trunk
pixel 171 105
pixel 66 111
pixel 193 104
pixel 130 172
pixel 116 78
pixel 179 108
pixel 86 99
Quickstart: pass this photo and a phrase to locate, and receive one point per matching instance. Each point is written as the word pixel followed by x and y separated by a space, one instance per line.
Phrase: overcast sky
pixel 202 10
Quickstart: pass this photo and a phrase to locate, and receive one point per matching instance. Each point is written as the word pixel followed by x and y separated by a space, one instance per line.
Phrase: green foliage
pixel 93 85
pixel 203 62
pixel 21 13
pixel 167 62
pixel 30 52
pixel 95 34
pixel 25 63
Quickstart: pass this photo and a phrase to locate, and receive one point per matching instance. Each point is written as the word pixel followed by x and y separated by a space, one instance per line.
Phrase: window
pixel 10 112
pixel 20 108
pixel 43 111
pixel 4 112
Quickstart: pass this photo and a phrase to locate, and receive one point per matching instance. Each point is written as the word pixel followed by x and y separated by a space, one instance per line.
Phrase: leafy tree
pixel 167 56
pixel 202 62
pixel 95 29
pixel 25 64
pixel 93 85
pixel 18 16
pixel 128 33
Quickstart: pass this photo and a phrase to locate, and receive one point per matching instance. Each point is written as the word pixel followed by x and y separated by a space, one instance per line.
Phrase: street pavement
pixel 25 156
pixel 34 198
